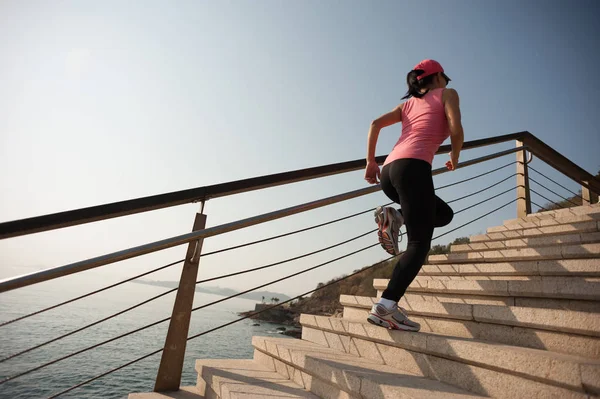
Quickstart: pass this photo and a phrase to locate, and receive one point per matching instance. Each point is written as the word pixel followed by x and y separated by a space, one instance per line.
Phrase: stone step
pixel 477 366
pixel 543 241
pixel 244 378
pixel 332 373
pixel 549 288
pixel 183 393
pixel 583 227
pixel 576 333
pixel 533 223
pixel 541 303
pixel 517 254
pixel 558 267
pixel 582 323
pixel 557 213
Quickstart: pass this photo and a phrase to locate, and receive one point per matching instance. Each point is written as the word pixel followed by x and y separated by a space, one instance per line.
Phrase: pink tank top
pixel 424 128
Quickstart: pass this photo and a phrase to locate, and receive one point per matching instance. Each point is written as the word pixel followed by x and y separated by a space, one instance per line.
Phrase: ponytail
pixel 415 85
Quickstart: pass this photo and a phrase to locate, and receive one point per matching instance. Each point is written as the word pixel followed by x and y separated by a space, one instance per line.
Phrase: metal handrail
pixel 75 217
pixel 52 273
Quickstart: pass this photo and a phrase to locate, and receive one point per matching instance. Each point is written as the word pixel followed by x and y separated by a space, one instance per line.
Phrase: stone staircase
pixel 513 314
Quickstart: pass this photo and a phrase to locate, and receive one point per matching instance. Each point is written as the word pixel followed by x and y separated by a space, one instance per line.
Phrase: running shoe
pixel 395 319
pixel 389 221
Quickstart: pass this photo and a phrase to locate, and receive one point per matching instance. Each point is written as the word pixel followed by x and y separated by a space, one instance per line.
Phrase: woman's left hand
pixel 372 172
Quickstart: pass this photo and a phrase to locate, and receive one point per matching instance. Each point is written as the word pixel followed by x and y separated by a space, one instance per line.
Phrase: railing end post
pixel 169 373
pixel 523 194
pixel 588 197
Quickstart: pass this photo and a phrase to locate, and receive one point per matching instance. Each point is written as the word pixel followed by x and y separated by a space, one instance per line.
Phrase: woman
pixel 430 115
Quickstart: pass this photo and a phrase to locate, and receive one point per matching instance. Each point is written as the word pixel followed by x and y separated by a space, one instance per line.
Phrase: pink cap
pixel 430 67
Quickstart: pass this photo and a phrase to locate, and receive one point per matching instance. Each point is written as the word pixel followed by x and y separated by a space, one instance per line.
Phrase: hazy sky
pixel 111 100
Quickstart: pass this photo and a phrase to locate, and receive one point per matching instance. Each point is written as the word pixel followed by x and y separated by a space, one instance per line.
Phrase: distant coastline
pixel 254 296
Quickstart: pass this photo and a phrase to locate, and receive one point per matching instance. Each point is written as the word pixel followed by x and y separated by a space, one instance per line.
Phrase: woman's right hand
pixel 372 172
pixel 453 162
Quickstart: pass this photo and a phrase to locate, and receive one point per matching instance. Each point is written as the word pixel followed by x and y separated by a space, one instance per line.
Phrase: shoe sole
pixel 378 321
pixel 385 240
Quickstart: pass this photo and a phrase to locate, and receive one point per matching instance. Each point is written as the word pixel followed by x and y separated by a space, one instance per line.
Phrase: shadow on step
pixel 406 357
pixel 373 383
pixel 457 361
pixel 532 324
pixel 547 292
pixel 248 385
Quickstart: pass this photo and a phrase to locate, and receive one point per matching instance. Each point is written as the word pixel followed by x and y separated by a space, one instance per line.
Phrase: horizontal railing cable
pixel 129 253
pixel 555 182
pixel 482 190
pixel 175 289
pixel 289 234
pixel 246 245
pixel 475 177
pixel 553 192
pixel 179 261
pixel 214 329
pixel 263 310
pixel 88 294
pixel 237 273
pixel 476 219
pixel 286 260
pixel 86 326
pixel 484 201
pixel 10 378
pixel 203 306
pixel 547 199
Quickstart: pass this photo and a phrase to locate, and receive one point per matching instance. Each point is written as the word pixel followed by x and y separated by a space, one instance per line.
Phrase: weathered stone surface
pixel 534 365
pixel 560 320
pixel 581 227
pixel 520 254
pixel 235 378
pixel 476 377
pixel 367 378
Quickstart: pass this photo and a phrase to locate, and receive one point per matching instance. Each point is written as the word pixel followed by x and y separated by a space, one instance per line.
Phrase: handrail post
pixel 523 195
pixel 589 197
pixel 171 362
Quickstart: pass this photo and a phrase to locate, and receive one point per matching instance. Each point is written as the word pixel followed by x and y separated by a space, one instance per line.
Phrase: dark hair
pixel 415 86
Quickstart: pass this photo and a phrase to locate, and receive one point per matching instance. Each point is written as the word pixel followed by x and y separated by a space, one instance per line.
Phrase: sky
pixel 107 101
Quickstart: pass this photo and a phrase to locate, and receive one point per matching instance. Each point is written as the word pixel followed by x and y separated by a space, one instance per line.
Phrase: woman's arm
pixel 457 137
pixel 372 172
pixel 385 120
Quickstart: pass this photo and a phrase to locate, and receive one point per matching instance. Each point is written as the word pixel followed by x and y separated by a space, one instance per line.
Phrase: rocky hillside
pixel 326 300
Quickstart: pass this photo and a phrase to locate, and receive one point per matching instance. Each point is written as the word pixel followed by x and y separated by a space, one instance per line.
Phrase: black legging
pixel 409 183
